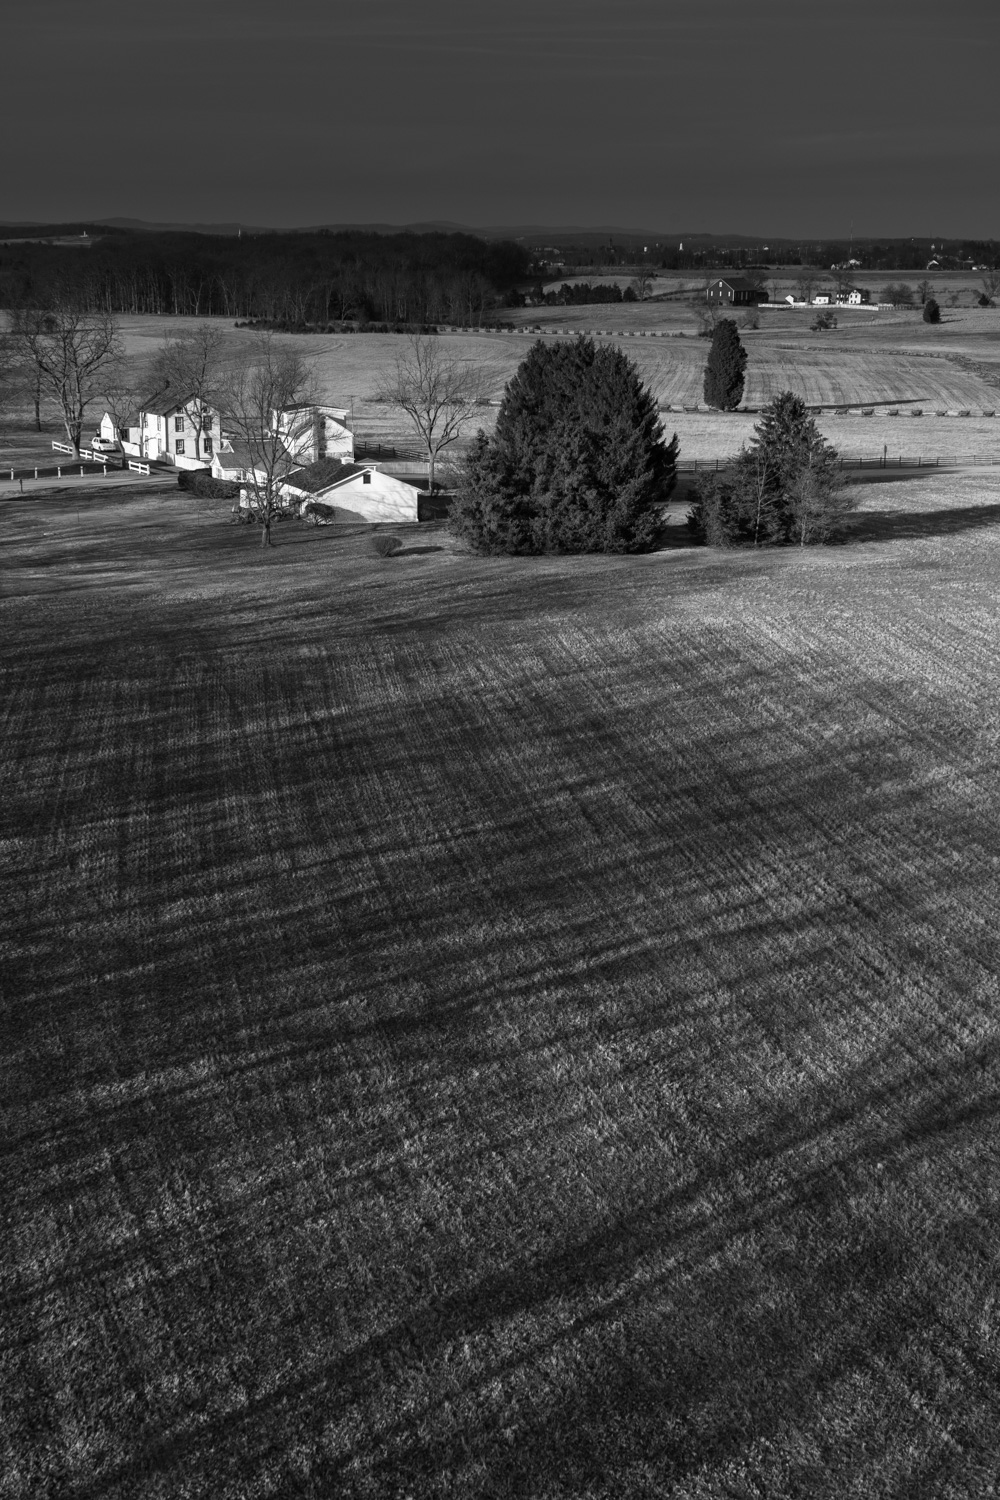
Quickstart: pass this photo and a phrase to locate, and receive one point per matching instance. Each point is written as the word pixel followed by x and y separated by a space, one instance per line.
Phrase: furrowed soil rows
pixel 468 1024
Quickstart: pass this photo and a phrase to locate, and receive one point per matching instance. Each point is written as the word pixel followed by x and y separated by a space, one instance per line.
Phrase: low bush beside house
pixel 199 482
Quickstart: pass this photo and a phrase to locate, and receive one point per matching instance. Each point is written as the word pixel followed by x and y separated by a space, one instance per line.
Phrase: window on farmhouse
pixel 366 479
pixel 208 445
pixel 208 421
pixel 180 446
pixel 178 424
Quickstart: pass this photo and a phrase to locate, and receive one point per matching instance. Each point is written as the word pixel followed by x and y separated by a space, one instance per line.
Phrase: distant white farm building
pixel 734 291
pixel 853 296
pixel 351 492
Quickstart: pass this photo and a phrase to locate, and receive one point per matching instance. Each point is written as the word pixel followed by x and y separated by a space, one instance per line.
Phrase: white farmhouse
pixel 170 430
pixel 311 433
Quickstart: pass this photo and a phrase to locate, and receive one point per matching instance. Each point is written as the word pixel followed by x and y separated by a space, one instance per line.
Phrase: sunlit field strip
pixel 502 1028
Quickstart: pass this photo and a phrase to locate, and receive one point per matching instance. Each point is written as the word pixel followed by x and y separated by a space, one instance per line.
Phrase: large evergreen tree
pixel 577 462
pixel 727 360
pixel 785 486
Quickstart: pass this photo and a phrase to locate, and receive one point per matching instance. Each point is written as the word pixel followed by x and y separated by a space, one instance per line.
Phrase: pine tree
pixel 577 462
pixel 932 313
pixel 783 487
pixel 727 360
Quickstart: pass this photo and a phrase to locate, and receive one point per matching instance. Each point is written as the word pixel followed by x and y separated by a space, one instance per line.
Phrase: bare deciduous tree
pixel 267 379
pixel 805 284
pixel 189 365
pixel 68 351
pixel 991 285
pixel 437 391
pixel 118 390
pixel 641 282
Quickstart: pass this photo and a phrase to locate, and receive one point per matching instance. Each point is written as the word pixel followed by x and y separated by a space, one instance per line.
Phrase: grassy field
pixel 857 364
pixel 515 1028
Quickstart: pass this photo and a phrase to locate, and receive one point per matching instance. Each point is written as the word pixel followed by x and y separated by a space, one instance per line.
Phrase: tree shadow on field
pixel 644 1346
pixel 905 525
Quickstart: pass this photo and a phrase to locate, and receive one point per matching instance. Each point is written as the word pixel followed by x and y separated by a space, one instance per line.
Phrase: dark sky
pixel 764 116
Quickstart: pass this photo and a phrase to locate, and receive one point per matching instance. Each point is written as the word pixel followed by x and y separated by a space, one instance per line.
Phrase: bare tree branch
pixel 69 349
pixel 190 365
pixel 268 379
pixel 438 392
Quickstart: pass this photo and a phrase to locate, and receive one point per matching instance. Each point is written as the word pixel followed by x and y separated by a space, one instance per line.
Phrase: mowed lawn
pixel 499 1028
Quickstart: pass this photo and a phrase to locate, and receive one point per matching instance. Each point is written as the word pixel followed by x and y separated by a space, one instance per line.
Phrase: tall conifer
pixel 577 462
pixel 727 360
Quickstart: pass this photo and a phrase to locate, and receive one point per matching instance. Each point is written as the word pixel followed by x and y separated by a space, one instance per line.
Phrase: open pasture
pixel 721 434
pixel 514 1028
pixel 860 367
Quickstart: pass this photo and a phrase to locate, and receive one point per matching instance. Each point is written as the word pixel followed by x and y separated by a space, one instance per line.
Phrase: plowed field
pixel 499 1028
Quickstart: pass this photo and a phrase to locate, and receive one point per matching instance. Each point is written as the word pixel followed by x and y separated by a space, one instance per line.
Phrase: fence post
pixel 58 472
pixel 36 473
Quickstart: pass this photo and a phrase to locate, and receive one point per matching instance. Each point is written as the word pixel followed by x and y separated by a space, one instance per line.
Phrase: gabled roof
pixel 236 456
pixel 162 404
pixel 324 475
pixel 330 411
pixel 738 283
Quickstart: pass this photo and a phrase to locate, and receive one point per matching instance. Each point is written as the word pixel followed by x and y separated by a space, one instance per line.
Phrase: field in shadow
pixel 496 1028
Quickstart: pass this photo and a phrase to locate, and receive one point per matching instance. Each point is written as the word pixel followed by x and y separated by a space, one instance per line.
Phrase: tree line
pixel 290 279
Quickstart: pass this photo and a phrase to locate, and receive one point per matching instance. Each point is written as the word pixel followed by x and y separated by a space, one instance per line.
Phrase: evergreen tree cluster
pixel 583 293
pixel 724 372
pixel 577 462
pixel 784 487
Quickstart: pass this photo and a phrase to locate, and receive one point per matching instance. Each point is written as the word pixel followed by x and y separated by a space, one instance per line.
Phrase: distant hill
pixel 532 234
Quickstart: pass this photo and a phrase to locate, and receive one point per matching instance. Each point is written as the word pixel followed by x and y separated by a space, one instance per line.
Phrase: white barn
pixel 353 492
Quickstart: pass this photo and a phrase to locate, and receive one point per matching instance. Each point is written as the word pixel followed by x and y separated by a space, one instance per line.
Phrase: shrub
pixel 577 462
pixel 386 546
pixel 318 514
pixel 822 321
pixel 784 487
pixel 932 313
pixel 201 483
pixel 727 360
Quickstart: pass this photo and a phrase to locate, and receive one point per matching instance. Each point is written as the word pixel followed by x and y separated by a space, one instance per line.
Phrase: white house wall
pixel 385 499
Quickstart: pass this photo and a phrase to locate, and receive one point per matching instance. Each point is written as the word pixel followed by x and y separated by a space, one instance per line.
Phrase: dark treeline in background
pixel 704 253
pixel 291 279
pixel 315 278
